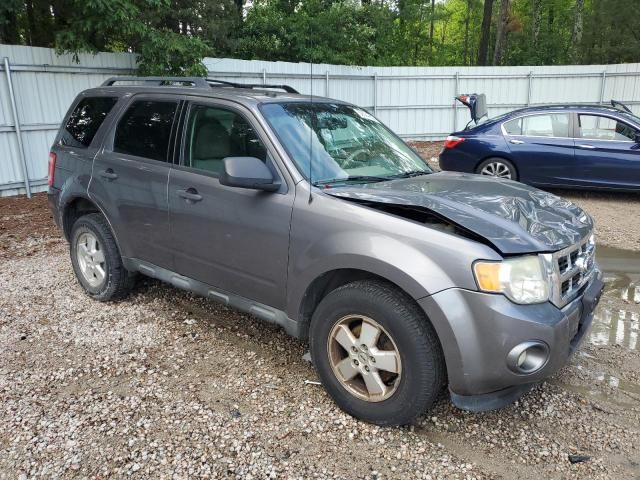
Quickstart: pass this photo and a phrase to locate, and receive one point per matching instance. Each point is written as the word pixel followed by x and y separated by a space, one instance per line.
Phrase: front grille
pixel 574 268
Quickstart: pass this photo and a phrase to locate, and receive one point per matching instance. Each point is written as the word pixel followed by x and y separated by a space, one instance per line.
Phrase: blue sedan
pixel 573 146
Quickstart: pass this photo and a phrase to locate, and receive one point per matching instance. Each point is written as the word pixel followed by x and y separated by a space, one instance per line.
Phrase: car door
pixel 607 151
pixel 130 175
pixel 541 147
pixel 235 239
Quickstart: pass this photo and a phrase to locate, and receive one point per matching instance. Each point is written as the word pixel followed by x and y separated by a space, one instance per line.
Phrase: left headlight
pixel 521 279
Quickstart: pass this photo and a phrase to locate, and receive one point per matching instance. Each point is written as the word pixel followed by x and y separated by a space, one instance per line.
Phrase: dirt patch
pixel 26 226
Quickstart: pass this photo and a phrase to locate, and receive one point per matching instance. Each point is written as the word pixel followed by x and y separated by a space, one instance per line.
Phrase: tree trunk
pixel 432 21
pixel 536 20
pixel 501 33
pixel 485 32
pixel 576 36
pixel 466 33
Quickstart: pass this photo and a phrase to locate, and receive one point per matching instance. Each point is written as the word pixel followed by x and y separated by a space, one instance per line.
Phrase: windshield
pixel 344 143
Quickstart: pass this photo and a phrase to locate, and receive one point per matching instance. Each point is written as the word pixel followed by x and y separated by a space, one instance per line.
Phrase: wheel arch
pixel 77 206
pixel 329 281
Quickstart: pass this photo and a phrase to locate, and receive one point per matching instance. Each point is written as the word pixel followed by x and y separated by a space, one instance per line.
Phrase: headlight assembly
pixel 521 279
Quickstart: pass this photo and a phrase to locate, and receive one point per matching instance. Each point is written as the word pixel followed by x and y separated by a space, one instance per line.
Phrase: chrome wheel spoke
pixel 98 272
pixel 347 369
pixel 496 169
pixel 98 256
pixel 386 360
pixel 91 260
pixel 375 385
pixel 345 338
pixel 369 334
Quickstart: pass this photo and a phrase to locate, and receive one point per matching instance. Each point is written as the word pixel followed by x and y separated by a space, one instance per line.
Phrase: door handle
pixel 586 147
pixel 516 142
pixel 190 195
pixel 109 174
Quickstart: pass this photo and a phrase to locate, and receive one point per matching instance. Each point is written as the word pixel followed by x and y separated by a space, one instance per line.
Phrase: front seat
pixel 211 144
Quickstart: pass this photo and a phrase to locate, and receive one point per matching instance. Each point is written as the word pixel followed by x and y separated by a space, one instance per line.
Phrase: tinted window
pixel 595 127
pixel 216 133
pixel 548 125
pixel 85 120
pixel 145 128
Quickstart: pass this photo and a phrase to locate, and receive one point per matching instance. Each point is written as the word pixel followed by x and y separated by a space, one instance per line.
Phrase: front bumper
pixel 477 331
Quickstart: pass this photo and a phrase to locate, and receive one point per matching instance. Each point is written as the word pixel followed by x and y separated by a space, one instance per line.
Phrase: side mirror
pixel 247 172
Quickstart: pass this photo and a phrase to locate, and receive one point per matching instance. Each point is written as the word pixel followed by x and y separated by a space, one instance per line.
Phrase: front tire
pixel 96 259
pixel 376 353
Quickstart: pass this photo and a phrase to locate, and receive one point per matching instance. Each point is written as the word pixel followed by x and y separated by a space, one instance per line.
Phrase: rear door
pixel 235 239
pixel 541 147
pixel 607 151
pixel 130 175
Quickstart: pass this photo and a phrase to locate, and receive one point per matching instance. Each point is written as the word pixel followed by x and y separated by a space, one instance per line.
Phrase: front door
pixel 232 238
pixel 541 147
pixel 129 179
pixel 607 151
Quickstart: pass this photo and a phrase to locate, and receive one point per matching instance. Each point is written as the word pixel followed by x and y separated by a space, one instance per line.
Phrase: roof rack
pixel 223 83
pixel 161 81
pixel 197 82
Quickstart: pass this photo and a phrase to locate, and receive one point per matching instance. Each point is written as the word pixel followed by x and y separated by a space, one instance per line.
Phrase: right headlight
pixel 521 279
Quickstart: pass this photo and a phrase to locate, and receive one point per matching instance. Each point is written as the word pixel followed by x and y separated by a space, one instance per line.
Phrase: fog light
pixel 528 357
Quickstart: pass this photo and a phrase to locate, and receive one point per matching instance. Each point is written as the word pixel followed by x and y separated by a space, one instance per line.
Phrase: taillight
pixel 452 141
pixel 52 167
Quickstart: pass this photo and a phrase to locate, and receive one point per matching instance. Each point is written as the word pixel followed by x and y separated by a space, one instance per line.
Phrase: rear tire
pixel 96 259
pixel 403 384
pixel 498 167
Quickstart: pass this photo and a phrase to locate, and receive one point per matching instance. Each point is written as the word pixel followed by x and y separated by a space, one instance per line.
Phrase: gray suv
pixel 308 212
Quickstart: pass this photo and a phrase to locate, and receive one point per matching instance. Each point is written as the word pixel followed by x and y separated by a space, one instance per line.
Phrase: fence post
pixel 264 76
pixel 375 93
pixel 529 88
pixel 326 83
pixel 16 121
pixel 455 102
pixel 604 81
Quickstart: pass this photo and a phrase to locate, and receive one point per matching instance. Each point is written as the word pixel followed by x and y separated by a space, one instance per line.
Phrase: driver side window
pixel 214 133
pixel 595 127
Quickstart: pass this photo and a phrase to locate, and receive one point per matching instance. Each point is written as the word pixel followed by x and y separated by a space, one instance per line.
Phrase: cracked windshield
pixel 344 143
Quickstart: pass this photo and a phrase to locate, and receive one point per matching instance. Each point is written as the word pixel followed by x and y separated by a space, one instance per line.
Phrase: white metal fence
pixel 416 102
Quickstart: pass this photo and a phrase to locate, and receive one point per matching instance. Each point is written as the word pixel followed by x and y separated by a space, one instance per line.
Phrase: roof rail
pixel 197 82
pixel 161 81
pixel 224 83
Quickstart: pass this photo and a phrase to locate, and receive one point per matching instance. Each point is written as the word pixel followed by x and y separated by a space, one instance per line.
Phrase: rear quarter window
pixel 144 129
pixel 85 120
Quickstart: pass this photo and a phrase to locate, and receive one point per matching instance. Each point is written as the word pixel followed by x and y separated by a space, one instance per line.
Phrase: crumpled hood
pixel 513 217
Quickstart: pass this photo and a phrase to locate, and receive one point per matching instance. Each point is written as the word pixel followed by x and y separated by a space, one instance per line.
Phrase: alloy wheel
pixel 496 169
pixel 91 259
pixel 364 358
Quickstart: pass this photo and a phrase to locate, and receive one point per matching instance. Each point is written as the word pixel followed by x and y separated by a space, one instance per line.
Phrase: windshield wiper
pixel 352 178
pixel 412 173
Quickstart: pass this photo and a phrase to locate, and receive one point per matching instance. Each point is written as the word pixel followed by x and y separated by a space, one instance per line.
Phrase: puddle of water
pixel 618 325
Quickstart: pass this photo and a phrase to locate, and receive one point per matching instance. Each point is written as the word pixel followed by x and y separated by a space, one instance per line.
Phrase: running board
pixel 263 312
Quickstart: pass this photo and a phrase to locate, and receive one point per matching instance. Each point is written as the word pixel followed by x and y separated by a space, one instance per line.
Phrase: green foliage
pixel 172 36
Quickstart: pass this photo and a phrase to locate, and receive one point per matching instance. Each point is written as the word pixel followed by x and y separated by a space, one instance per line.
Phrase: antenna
pixel 312 118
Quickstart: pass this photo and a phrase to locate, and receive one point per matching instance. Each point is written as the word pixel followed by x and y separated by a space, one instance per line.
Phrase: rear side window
pixel 144 129
pixel 595 127
pixel 85 120
pixel 546 125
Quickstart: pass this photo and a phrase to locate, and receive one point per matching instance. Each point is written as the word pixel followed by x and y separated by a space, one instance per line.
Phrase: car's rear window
pixel 85 120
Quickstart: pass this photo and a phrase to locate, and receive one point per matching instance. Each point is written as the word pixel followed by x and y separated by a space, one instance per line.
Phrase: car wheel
pixel 498 167
pixel 96 259
pixel 376 353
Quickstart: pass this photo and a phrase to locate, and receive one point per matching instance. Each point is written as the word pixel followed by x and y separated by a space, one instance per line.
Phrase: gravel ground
pixel 165 384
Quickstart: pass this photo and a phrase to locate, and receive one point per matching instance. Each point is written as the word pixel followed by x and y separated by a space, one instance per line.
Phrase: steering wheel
pixel 352 158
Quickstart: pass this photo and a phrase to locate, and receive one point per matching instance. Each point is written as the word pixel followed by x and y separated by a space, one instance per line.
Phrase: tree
pixel 485 32
pixel 501 33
